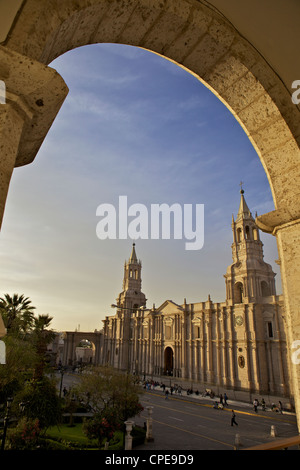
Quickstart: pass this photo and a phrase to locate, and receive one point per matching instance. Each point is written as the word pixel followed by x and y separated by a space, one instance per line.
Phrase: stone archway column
pixel 288 241
pixel 11 125
pixel 34 94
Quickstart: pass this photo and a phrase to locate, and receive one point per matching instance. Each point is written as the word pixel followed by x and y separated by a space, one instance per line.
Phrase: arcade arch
pixel 197 37
pixel 85 352
pixel 81 348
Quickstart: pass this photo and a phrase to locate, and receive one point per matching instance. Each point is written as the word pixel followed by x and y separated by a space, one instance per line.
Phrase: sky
pixel 134 124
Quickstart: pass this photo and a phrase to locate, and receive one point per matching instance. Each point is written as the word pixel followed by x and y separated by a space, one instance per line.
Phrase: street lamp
pixel 6 420
pixel 62 371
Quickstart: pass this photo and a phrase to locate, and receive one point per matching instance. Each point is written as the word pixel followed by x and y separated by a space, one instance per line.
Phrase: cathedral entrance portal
pixel 168 363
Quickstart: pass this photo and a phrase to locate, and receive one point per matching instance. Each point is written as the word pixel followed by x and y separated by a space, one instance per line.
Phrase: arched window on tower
pixel 239 235
pixel 255 234
pixel 247 232
pixel 238 293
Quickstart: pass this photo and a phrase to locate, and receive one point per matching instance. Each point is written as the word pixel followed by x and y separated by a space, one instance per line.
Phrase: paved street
pixel 182 423
pixel 191 423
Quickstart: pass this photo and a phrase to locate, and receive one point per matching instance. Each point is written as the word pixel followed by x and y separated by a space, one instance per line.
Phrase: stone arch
pixel 197 37
pixel 72 340
pixel 85 351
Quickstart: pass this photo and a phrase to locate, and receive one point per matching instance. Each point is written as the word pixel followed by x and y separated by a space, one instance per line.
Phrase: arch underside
pixel 198 39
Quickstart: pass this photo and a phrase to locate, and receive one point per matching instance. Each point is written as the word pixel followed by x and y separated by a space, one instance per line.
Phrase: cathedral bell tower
pixel 249 277
pixel 132 297
pixel 128 302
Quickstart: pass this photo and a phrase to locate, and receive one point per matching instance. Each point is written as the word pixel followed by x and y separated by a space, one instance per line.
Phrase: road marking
pixel 177 419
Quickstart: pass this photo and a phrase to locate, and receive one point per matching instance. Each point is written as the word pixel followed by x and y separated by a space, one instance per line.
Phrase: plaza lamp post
pixel 61 380
pixel 6 420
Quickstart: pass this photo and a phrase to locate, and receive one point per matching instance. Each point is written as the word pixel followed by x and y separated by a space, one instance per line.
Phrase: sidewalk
pixel 231 403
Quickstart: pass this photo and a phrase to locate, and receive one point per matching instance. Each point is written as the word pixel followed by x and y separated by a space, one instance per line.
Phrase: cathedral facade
pixel 239 343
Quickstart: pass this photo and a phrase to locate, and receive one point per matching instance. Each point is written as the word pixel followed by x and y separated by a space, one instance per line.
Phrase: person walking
pixel 233 421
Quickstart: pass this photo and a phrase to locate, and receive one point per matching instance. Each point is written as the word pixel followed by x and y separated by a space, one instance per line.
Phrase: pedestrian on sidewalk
pixel 233 421
pixel 167 395
pixel 225 399
pixel 255 405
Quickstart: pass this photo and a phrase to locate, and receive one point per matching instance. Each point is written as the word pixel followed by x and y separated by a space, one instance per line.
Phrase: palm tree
pixel 41 337
pixel 17 313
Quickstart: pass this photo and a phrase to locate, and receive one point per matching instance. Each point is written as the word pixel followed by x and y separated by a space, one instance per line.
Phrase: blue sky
pixel 138 125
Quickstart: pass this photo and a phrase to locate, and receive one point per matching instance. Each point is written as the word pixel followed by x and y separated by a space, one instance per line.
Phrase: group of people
pixel 222 401
pixel 277 409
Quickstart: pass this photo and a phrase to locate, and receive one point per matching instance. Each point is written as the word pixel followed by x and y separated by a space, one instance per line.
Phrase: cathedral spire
pixel 133 258
pixel 244 211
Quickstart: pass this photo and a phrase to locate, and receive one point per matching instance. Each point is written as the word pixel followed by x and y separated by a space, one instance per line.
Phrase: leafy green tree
pixel 20 360
pixel 40 401
pixel 106 388
pixel 25 436
pixel 102 426
pixel 23 376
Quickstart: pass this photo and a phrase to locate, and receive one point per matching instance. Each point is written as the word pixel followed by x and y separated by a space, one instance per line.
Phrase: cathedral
pixel 239 343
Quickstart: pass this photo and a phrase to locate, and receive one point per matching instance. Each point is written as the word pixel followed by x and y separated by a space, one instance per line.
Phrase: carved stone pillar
pixel 286 227
pixel 34 94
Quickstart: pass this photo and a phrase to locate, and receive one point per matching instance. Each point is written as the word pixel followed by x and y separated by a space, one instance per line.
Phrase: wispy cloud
pixel 137 125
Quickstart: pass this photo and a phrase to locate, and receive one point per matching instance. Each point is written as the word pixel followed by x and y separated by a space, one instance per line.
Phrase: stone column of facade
pixel 202 348
pixel 151 346
pixel 232 350
pixel 224 374
pixel 282 353
pixel 183 347
pixel 219 348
